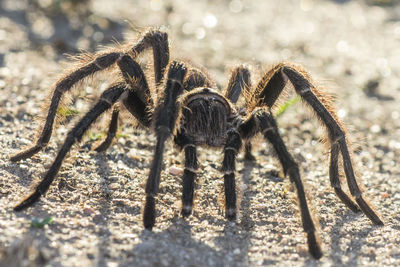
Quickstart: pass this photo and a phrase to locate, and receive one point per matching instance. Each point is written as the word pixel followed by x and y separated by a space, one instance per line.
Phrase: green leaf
pixel 35 223
pixel 282 108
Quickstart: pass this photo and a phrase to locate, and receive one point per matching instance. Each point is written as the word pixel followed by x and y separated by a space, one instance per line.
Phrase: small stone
pixel 173 170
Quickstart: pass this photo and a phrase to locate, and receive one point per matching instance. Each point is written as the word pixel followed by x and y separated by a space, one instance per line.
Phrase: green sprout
pixel 282 108
pixel 67 112
pixel 36 223
pixel 95 136
pixel 119 135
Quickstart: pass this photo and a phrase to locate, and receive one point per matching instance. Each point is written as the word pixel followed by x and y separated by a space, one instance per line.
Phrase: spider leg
pixel 263 120
pixel 269 89
pixel 102 61
pixel 112 130
pixel 138 100
pixel 247 151
pixel 158 41
pixel 108 98
pixel 189 174
pixel 239 83
pixel 335 178
pixel 196 78
pixel 166 115
pixel 337 138
pixel 232 146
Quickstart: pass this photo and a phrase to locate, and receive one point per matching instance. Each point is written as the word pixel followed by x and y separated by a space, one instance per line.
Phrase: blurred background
pixel 352 50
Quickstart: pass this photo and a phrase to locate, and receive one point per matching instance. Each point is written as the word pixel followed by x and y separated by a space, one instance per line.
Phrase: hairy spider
pixel 195 113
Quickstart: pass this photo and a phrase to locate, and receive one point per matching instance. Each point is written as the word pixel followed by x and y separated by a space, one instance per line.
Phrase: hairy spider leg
pixel 138 100
pixel 196 78
pixel 165 116
pixel 270 129
pixel 190 172
pixel 336 136
pixel 231 149
pixel 107 99
pixel 261 120
pixel 240 83
pixel 158 41
pixel 269 89
pixel 112 130
pixel 64 84
pixel 189 176
pixel 102 61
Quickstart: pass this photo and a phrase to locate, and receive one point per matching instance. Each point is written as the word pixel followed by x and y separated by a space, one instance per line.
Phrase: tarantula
pixel 195 113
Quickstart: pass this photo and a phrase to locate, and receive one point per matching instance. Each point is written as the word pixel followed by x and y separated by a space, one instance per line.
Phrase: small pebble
pixel 173 170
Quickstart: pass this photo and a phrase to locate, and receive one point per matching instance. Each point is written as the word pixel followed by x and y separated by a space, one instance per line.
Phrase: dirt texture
pixel 350 48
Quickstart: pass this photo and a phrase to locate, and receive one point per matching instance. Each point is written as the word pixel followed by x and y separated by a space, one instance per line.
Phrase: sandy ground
pixel 352 48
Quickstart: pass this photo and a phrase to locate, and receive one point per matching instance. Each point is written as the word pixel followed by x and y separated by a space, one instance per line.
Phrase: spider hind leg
pixel 157 40
pixel 112 130
pixel 325 112
pixel 108 98
pixel 266 94
pixel 261 120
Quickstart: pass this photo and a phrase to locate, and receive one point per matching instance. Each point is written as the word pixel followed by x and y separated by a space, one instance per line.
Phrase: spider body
pixel 192 111
pixel 206 117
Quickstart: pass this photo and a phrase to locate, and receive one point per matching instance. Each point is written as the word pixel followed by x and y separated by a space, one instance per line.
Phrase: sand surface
pixel 351 49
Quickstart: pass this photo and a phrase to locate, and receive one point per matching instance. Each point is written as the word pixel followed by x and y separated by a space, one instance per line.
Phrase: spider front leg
pixel 232 146
pixel 166 115
pixel 189 174
pixel 108 98
pixel 262 121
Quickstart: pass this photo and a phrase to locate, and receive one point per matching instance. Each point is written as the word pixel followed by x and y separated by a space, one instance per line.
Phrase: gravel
pixel 350 47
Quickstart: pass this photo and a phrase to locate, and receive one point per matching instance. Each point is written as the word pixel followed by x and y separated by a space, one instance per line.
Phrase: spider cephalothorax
pixel 195 113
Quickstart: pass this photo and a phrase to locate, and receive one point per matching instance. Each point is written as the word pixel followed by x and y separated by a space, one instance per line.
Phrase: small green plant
pixel 119 135
pixel 36 223
pixel 95 136
pixel 67 112
pixel 282 108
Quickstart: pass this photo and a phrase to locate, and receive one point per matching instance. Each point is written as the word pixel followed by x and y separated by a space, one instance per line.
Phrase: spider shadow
pixel 20 172
pixel 104 233
pixel 357 240
pixel 174 246
pixel 231 246
pixel 236 238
